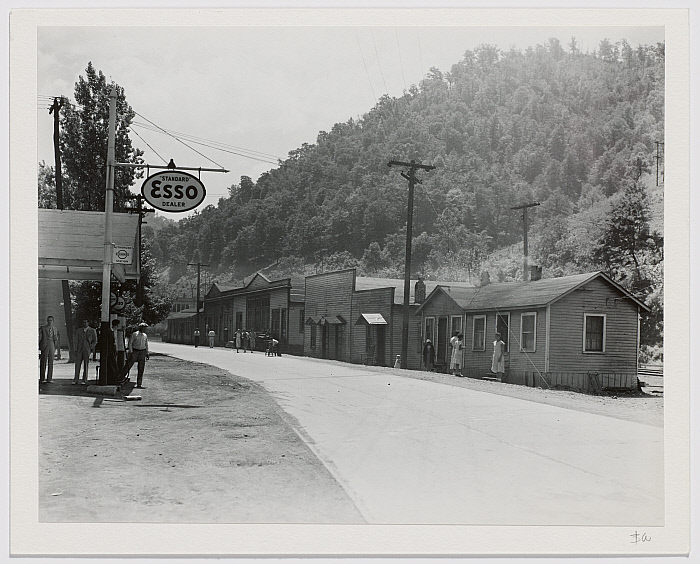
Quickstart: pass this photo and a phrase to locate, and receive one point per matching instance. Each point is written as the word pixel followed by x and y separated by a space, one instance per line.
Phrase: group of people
pixel 243 339
pixel 457 345
pixel 123 352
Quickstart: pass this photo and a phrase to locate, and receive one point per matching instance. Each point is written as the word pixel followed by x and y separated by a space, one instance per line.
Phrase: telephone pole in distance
pixel 411 177
pixel 199 266
pixel 525 207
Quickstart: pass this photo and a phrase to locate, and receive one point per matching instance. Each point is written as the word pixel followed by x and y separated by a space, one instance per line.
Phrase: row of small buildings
pixel 580 330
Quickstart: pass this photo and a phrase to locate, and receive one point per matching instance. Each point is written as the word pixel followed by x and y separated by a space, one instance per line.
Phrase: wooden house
pixel 360 319
pixel 274 307
pixel 581 331
pixel 180 327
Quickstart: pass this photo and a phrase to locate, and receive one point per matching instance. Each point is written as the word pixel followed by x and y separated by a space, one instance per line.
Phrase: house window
pixel 528 332
pixel 301 321
pixel 275 328
pixel 479 334
pixel 430 329
pixel 239 320
pixel 313 337
pixel 502 325
pixel 456 324
pixel 593 332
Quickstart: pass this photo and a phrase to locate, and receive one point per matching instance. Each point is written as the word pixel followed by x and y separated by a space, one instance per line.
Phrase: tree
pixel 627 234
pixel 83 140
pixel 47 186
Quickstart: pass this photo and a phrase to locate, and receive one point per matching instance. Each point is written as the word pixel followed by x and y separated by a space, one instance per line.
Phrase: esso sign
pixel 173 191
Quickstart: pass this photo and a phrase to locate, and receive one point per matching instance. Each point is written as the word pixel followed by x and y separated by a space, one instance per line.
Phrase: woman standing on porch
pixel 498 361
pixel 456 361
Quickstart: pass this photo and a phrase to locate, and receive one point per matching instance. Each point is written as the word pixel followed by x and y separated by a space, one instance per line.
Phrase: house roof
pixel 518 295
pixel 184 314
pixel 363 283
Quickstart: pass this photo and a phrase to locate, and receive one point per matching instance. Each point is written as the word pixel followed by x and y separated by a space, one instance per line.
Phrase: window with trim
pixel 528 332
pixel 593 332
pixel 313 337
pixel 479 333
pixel 430 329
pixel 502 327
pixel 456 324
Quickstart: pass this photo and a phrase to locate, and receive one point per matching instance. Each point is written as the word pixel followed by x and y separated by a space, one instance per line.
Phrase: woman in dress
pixel 456 361
pixel 498 361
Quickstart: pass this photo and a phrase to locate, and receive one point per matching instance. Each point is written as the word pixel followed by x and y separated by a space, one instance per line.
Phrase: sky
pixel 263 91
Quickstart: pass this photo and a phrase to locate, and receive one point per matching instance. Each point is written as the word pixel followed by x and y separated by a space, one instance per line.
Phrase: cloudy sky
pixel 262 91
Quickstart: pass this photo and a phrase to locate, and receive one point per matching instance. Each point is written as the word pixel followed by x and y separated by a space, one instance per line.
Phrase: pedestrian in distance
pixel 83 346
pixel 246 340
pixel 119 343
pixel 58 345
pixel 238 338
pixel 212 337
pixel 48 340
pixel 498 359
pixel 453 345
pixel 429 355
pixel 252 341
pixel 456 361
pixel 274 343
pixel 138 354
pixel 196 338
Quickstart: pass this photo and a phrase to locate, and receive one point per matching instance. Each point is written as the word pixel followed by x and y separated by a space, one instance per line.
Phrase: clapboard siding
pixel 296 338
pixel 567 327
pixel 330 294
pixel 414 336
pixel 528 361
pixel 371 301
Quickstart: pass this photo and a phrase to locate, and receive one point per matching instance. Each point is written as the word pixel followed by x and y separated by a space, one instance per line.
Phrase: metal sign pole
pixel 107 265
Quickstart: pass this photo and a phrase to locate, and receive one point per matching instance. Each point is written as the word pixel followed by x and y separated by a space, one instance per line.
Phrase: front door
pixel 324 340
pixel 442 341
pixel 380 358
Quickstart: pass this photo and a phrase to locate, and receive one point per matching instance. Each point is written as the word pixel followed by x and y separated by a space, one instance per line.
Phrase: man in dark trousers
pixel 429 355
pixel 48 339
pixel 138 353
pixel 196 338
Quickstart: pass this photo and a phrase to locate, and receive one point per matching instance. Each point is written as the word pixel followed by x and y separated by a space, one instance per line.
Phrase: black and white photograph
pixel 334 271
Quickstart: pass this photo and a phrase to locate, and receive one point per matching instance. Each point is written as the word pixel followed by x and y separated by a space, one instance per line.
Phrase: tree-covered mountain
pixel 566 129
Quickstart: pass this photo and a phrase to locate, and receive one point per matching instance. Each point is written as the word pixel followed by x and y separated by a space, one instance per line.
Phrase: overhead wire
pixel 149 146
pixel 365 64
pixel 381 72
pixel 179 140
pixel 398 46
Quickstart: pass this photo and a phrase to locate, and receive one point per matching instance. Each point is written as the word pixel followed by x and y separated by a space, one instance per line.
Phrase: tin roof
pixel 367 283
pixel 515 295
pixel 184 314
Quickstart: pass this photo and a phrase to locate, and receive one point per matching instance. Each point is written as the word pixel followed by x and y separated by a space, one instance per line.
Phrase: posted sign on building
pixel 173 191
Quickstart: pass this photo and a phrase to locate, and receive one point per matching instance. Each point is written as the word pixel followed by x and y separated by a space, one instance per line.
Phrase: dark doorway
pixel 442 340
pixel 324 341
pixel 381 333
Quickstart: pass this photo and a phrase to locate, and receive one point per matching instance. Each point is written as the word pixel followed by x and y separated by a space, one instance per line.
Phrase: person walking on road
pixel 84 345
pixel 246 341
pixel 212 336
pixel 429 355
pixel 48 340
pixel 138 353
pixel 498 359
pixel 196 338
pixel 252 341
pixel 239 339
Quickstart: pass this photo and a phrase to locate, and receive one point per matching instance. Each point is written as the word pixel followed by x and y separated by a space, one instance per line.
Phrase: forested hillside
pixel 575 132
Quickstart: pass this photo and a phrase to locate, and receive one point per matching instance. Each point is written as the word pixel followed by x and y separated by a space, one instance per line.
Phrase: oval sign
pixel 173 191
pixel 120 303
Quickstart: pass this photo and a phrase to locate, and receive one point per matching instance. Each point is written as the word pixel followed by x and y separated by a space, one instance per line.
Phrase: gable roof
pixel 518 295
pixel 363 283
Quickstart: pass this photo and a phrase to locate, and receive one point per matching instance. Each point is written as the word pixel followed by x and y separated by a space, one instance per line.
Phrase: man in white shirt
pixel 138 352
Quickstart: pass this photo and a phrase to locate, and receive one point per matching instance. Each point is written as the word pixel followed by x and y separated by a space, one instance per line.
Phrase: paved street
pixel 410 451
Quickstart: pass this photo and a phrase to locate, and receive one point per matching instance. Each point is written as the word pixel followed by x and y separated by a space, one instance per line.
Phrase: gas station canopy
pixel 71 245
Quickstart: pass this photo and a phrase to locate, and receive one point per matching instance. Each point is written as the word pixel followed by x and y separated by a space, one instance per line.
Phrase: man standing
pixel 119 341
pixel 138 353
pixel 212 336
pixel 48 339
pixel 196 337
pixel 429 355
pixel 85 341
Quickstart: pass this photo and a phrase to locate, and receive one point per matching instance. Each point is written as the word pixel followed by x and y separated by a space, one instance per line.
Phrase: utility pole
pixel 67 305
pixel 525 207
pixel 658 158
pixel 411 177
pixel 142 214
pixel 199 266
pixel 105 330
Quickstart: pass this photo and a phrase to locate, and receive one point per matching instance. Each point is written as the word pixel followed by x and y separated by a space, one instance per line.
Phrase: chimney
pixel 485 279
pixel 419 295
pixel 535 273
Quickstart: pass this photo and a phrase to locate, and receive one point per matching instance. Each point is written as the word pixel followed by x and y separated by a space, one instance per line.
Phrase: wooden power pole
pixel 525 207
pixel 199 266
pixel 67 305
pixel 411 177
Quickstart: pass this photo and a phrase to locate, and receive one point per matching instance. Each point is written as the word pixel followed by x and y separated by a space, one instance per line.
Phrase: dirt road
pixel 202 446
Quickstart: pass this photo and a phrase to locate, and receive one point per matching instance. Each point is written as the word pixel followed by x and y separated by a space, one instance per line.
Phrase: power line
pixel 180 140
pixel 151 148
pixel 365 64
pixel 378 61
pixel 400 60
